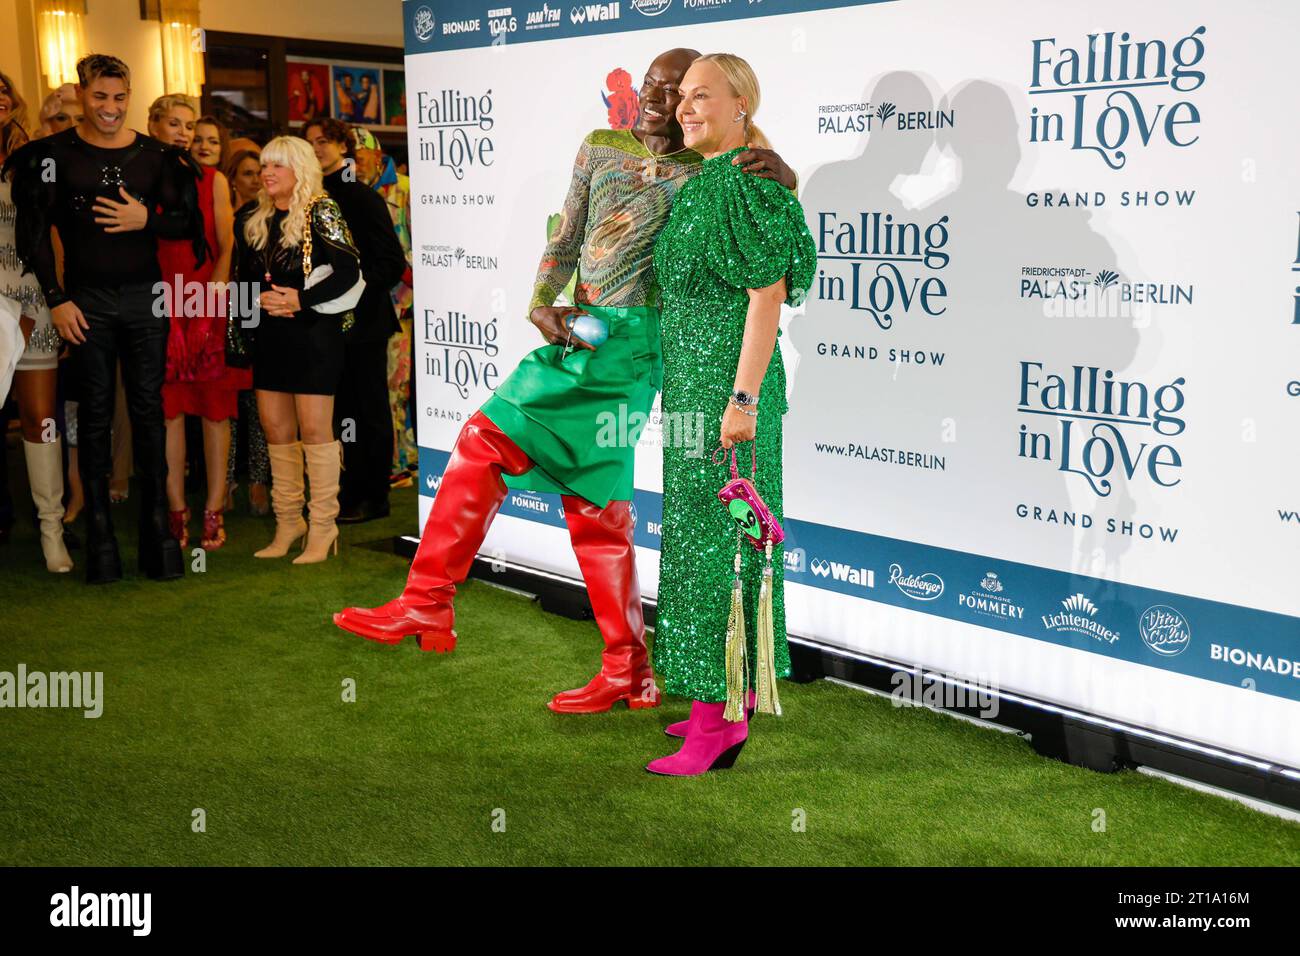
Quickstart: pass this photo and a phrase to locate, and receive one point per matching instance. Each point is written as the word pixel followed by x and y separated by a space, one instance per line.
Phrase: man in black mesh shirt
pixel 111 192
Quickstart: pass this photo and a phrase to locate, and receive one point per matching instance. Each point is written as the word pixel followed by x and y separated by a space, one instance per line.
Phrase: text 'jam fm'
pixel 1102 421
pixel 863 257
pixel 458 126
pixel 461 351
pixel 1132 79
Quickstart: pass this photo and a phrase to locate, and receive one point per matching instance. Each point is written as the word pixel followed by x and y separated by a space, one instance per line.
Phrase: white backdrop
pixel 1044 410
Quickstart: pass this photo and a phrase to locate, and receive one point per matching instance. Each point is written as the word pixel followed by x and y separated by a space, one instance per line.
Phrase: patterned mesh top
pixel 618 201
pixel 44 343
pixel 13 284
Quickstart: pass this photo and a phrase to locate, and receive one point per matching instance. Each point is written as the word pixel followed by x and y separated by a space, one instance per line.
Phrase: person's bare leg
pixel 259 475
pixel 76 494
pixel 34 390
pixel 279 419
pixel 315 418
pixel 216 450
pixel 176 463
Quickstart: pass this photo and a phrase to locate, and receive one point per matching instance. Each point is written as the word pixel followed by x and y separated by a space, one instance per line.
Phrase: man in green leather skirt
pixel 546 426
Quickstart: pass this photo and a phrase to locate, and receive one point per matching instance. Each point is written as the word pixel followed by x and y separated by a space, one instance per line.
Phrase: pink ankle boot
pixel 712 743
pixel 679 729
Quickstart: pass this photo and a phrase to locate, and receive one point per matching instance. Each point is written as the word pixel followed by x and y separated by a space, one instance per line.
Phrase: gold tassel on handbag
pixel 735 660
pixel 765 665
pixel 756 524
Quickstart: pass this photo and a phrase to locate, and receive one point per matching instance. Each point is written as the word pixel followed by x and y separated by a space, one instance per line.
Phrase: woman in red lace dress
pixel 197 381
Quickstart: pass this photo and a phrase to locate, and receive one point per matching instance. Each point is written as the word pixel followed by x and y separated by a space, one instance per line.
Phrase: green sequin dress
pixel 728 232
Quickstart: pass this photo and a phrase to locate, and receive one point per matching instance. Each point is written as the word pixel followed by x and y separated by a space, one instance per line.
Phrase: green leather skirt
pixel 578 416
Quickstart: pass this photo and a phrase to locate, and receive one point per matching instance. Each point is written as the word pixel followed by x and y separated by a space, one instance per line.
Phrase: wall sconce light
pixel 183 43
pixel 61 34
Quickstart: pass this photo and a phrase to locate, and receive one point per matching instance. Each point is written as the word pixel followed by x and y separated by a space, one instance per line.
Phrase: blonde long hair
pixel 295 153
pixel 744 82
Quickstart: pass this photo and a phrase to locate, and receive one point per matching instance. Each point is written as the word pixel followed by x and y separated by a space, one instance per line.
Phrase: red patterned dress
pixel 197 381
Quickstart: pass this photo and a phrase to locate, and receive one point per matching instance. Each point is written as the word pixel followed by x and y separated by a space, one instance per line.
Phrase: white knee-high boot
pixel 45 474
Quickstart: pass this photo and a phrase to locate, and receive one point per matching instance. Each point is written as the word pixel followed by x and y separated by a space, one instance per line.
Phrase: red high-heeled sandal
pixel 214 530
pixel 179 524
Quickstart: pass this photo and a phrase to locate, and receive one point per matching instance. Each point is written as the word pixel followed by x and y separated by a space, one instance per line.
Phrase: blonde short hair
pixel 166 103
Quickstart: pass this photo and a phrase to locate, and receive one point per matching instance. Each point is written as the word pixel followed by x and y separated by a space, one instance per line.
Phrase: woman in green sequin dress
pixel 734 249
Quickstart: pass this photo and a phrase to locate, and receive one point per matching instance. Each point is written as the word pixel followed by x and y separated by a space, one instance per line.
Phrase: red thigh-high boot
pixel 463 509
pixel 602 539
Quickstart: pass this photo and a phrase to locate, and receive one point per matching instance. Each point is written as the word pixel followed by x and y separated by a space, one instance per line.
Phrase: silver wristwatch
pixel 742 397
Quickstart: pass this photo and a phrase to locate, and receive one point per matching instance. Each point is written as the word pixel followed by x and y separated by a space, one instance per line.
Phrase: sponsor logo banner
pixel 1071 610
pixel 461 24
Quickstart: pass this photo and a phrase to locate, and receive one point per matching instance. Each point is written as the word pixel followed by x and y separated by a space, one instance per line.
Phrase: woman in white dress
pixel 36 376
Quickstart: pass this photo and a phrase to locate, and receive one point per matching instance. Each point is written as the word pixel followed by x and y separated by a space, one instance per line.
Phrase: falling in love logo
pixel 461 351
pixel 1101 425
pixel 869 261
pixel 1124 93
pixel 455 129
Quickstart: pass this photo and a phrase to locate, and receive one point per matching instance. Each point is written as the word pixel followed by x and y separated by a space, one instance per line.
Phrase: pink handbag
pixel 752 515
pixel 756 524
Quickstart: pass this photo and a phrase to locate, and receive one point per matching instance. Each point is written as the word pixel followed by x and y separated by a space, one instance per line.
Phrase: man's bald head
pixel 678 60
pixel 660 94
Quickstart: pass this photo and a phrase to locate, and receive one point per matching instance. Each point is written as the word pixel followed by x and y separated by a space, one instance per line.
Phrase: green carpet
pixel 224 692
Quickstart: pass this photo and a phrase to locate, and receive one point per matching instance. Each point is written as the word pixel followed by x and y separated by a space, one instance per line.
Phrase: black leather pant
pixel 362 414
pixel 122 324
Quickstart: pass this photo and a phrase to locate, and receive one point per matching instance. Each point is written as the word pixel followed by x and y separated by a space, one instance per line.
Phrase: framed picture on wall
pixel 394 97
pixel 309 90
pixel 264 86
pixel 352 91
pixel 358 95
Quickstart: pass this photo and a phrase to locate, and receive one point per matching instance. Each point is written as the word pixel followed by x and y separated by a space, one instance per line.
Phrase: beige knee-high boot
pixel 45 474
pixel 323 464
pixel 286 499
